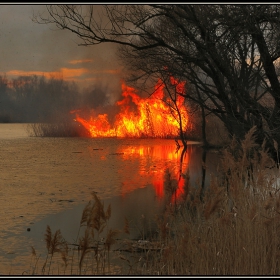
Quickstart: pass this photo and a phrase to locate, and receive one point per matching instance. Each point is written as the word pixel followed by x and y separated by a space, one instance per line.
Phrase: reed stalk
pixel 233 230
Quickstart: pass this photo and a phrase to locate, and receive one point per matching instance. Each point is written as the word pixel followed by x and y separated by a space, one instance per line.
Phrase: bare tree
pixel 229 52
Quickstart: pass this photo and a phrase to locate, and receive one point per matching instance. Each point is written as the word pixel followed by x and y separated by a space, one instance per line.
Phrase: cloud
pixel 80 61
pixel 65 73
pixel 28 48
pixel 69 73
pixel 83 77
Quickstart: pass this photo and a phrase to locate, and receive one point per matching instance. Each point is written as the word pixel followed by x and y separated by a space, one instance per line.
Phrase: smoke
pixel 28 47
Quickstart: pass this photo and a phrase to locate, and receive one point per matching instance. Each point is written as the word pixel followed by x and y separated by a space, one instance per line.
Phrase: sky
pixel 28 48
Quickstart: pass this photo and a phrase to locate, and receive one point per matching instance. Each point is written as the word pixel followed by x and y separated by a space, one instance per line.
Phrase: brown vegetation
pixel 230 228
pixel 61 128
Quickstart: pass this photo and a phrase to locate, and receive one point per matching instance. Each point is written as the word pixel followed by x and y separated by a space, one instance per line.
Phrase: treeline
pixel 33 99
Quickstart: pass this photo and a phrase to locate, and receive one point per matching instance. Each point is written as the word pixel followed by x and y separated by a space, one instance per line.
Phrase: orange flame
pixel 141 117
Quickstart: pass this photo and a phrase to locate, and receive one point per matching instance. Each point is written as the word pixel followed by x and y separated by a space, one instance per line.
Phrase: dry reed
pixel 64 128
pixel 232 229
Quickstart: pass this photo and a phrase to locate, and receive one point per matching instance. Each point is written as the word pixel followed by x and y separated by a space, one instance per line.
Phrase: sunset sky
pixel 29 48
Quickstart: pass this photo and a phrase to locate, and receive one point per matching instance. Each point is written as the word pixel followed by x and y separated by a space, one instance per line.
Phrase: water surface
pixel 47 180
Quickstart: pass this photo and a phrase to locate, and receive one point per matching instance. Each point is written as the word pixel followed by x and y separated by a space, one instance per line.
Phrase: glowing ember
pixel 140 117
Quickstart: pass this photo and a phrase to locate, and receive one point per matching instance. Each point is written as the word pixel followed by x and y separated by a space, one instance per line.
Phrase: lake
pixel 48 181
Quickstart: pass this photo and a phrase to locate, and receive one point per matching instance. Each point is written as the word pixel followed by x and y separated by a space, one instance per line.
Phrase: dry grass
pixel 63 128
pixel 89 254
pixel 231 228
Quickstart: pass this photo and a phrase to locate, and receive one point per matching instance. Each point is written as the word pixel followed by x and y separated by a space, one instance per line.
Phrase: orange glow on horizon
pixel 78 75
pixel 79 61
pixel 69 73
pixel 65 73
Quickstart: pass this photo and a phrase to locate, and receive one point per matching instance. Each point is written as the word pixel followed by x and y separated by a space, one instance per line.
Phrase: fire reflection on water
pixel 45 176
pixel 173 164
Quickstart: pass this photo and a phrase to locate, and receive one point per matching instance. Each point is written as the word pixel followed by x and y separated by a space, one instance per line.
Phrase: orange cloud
pixel 65 73
pixel 81 76
pixel 80 61
pixel 24 73
pixel 68 73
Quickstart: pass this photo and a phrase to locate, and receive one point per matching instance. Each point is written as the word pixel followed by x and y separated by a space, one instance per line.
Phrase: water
pixel 48 181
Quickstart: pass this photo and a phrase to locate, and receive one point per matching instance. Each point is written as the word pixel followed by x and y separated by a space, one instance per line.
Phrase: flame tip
pixel 139 117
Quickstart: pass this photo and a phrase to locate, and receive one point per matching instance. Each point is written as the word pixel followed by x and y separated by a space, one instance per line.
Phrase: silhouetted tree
pixel 229 52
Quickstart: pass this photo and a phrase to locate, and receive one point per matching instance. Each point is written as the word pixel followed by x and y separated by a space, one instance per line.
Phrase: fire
pixel 141 117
